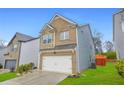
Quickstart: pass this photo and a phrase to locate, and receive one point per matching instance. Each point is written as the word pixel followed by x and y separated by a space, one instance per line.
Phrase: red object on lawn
pixel 100 60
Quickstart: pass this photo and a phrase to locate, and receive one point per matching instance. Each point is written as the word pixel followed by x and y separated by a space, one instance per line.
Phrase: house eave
pixel 64 18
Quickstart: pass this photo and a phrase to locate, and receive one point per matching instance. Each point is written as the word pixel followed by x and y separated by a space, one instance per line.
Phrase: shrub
pixel 120 66
pixel 110 54
pixel 31 65
pixel 1 66
pixel 24 68
pixel 20 69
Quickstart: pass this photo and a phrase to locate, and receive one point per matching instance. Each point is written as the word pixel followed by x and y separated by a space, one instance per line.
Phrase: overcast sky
pixel 30 21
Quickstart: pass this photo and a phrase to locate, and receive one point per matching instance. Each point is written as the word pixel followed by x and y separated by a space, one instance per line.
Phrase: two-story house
pixel 118 33
pixel 12 54
pixel 66 46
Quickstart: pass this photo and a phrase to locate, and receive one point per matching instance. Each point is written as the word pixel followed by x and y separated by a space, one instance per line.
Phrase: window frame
pixel 13 48
pixel 63 35
pixel 47 38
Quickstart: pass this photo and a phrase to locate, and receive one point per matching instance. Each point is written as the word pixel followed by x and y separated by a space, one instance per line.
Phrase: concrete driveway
pixel 37 78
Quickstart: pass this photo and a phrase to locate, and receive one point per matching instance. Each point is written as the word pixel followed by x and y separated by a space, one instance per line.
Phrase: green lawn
pixel 7 76
pixel 101 76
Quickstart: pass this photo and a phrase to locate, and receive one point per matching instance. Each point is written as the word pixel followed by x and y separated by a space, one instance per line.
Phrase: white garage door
pixel 57 63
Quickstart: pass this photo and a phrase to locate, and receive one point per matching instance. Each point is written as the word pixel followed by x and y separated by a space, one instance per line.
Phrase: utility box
pixel 100 60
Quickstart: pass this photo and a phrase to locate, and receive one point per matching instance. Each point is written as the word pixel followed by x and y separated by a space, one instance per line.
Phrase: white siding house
pixel 2 56
pixel 85 48
pixel 118 33
pixel 29 52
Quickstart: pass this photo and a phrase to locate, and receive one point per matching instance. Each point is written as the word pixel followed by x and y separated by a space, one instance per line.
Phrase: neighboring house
pixel 2 59
pixel 29 52
pixel 66 46
pixel 12 54
pixel 118 33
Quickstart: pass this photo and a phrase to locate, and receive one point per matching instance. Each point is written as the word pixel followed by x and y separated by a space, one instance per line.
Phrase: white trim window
pixel 14 47
pixel 64 35
pixel 47 38
pixel 122 23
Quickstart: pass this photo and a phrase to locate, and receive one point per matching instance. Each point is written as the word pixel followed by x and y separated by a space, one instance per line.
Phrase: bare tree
pixel 108 45
pixel 97 37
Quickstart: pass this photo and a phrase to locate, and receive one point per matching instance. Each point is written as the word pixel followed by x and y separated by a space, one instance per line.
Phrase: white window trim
pixel 47 38
pixel 64 35
pixel 13 48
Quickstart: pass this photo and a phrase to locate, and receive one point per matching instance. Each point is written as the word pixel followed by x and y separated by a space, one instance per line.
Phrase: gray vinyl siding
pixel 29 52
pixel 2 59
pixel 84 51
pixel 90 42
pixel 118 35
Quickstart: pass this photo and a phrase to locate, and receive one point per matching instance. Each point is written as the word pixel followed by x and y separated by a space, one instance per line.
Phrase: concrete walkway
pixel 37 78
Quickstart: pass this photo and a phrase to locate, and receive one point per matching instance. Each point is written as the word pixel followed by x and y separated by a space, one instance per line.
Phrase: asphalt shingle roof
pixel 21 37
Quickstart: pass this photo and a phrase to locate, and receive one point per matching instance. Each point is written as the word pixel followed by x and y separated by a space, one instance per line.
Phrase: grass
pixel 106 75
pixel 7 76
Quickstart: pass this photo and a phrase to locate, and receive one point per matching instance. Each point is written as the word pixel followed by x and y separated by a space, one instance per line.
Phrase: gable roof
pixel 62 17
pixel 45 26
pixel 21 37
pixel 118 12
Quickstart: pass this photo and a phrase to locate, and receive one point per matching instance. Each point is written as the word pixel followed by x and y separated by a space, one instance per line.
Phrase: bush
pixel 120 67
pixel 24 68
pixel 20 69
pixel 30 66
pixel 110 55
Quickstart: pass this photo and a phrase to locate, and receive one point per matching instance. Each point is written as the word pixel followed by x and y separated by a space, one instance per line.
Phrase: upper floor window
pixel 14 47
pixel 122 23
pixel 64 35
pixel 47 38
